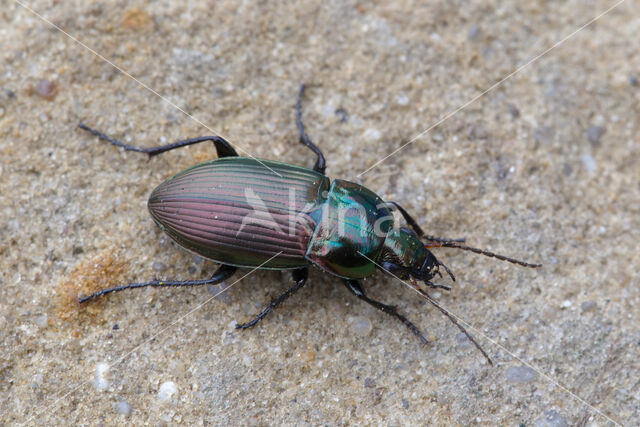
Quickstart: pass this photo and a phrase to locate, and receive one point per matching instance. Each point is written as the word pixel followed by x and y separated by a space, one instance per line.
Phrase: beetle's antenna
pixel 478 251
pixel 451 318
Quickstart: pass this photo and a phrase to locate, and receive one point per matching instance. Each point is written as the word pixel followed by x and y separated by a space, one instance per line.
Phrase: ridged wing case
pixel 240 211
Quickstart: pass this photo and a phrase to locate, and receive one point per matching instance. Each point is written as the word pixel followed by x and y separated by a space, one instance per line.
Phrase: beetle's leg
pixel 320 165
pixel 223 148
pixel 356 289
pixel 223 273
pixel 300 276
pixel 414 225
pixel 412 222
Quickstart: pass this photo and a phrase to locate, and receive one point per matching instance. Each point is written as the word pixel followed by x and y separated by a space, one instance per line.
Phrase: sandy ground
pixel 544 167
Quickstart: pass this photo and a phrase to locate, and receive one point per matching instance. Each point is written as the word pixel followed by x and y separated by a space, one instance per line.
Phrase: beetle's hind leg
pixel 300 276
pixel 223 148
pixel 356 289
pixel 320 165
pixel 222 274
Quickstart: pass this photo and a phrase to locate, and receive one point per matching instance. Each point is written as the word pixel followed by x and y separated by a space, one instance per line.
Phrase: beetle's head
pixel 406 257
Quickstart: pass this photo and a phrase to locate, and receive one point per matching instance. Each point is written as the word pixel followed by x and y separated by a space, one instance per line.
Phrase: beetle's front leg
pixel 416 228
pixel 356 289
pixel 300 276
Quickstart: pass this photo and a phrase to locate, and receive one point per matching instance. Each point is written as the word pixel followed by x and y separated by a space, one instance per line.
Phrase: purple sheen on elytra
pixel 238 212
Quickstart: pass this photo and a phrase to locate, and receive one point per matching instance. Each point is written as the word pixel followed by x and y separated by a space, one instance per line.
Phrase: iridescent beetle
pixel 245 212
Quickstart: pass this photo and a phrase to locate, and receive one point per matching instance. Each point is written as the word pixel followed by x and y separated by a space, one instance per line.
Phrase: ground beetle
pixel 244 212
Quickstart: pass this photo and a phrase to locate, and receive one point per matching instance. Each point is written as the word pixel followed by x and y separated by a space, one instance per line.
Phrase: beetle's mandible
pixel 243 212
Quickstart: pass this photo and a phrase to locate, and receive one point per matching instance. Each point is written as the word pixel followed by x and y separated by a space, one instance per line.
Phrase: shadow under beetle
pixel 244 212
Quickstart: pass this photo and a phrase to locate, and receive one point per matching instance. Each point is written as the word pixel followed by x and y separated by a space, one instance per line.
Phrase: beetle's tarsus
pixel 436 286
pixel 223 273
pixel 110 140
pixel 300 276
pixel 357 289
pixel 320 165
pixel 448 271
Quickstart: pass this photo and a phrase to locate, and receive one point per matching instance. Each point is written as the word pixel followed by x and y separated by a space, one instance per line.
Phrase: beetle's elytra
pixel 245 212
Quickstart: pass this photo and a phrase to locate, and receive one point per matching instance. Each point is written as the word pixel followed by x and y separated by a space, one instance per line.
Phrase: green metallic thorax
pixel 351 231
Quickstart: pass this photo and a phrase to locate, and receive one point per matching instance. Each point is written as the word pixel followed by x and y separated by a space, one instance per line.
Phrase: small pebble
pixel 633 80
pixel 473 32
pixel 405 404
pixel 565 304
pixel 307 356
pixel 402 100
pixel 587 306
pixel 136 19
pixel 166 391
pixel 41 321
pixel 123 408
pixel 513 110
pixel 372 135
pixel 219 292
pixel 45 89
pixel 521 374
pixel 550 419
pixel 478 132
pixel 594 133
pixel 342 114
pixel 543 134
pixel 463 341
pixel 369 383
pixel 438 137
pixel 588 162
pixel 362 326
pixel 100 381
pixel 158 267
pixel 37 379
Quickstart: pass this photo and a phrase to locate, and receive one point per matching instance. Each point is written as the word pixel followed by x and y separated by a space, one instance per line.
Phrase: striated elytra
pixel 246 212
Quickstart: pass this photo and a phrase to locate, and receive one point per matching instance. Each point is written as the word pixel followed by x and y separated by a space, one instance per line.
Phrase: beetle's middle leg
pixel 300 276
pixel 223 148
pixel 356 289
pixel 320 165
pixel 415 227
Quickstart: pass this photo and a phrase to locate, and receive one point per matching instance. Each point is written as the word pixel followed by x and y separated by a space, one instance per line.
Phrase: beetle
pixel 243 212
